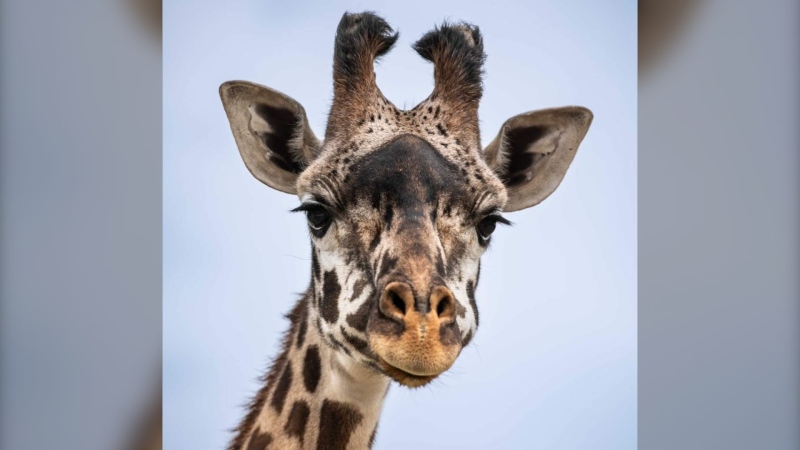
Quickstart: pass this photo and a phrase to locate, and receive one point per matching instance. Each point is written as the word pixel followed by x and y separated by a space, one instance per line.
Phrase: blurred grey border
pixel 719 228
pixel 80 241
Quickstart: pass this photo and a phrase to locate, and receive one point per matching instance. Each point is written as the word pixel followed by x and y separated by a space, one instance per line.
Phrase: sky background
pixel 553 364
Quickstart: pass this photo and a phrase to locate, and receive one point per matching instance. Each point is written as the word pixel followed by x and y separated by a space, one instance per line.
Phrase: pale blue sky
pixel 553 364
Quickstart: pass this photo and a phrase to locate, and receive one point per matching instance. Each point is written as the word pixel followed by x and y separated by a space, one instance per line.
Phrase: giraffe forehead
pixel 405 171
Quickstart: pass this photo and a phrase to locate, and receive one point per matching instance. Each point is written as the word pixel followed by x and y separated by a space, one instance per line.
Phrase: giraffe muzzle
pixel 415 338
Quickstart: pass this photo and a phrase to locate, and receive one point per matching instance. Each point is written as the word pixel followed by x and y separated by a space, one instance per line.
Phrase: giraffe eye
pixel 487 226
pixel 318 216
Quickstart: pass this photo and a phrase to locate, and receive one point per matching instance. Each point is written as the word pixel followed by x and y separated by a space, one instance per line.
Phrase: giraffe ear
pixel 272 132
pixel 533 150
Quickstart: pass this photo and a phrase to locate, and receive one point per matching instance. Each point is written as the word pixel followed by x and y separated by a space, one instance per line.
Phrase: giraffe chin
pixel 406 379
pixel 411 364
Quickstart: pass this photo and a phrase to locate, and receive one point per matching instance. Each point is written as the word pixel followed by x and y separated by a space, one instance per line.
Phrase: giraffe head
pixel 401 204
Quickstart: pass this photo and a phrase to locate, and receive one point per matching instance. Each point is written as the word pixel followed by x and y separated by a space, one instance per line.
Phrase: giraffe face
pixel 397 236
pixel 401 204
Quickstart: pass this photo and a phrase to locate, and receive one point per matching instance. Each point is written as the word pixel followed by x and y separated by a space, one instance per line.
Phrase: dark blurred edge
pixel 80 224
pixel 719 225
pixel 660 22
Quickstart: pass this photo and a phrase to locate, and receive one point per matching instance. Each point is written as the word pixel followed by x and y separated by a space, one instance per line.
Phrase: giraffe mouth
pixel 406 379
pixel 415 350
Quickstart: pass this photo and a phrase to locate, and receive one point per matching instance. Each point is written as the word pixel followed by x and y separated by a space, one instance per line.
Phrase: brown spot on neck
pixel 259 441
pixel 298 419
pixel 337 422
pixel 312 369
pixel 282 390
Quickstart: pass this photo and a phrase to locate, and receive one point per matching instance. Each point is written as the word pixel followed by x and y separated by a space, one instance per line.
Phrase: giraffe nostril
pixel 397 299
pixel 440 308
pixel 443 302
pixel 398 302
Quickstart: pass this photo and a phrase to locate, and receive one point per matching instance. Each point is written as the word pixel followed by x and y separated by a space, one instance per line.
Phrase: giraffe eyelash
pixel 308 206
pixel 499 219
pixel 494 215
pixel 319 217
pixel 311 203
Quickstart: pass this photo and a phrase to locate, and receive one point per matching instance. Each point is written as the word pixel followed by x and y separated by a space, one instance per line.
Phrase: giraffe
pixel 400 206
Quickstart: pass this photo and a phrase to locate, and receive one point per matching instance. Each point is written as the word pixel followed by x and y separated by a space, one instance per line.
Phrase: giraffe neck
pixel 314 397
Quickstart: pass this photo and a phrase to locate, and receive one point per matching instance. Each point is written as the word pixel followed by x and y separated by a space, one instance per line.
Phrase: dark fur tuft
pixel 456 50
pixel 360 39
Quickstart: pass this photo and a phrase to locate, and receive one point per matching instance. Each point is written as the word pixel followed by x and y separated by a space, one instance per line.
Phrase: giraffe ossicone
pixel 400 207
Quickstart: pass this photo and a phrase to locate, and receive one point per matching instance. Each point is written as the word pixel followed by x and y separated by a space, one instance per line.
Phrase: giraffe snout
pixel 415 337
